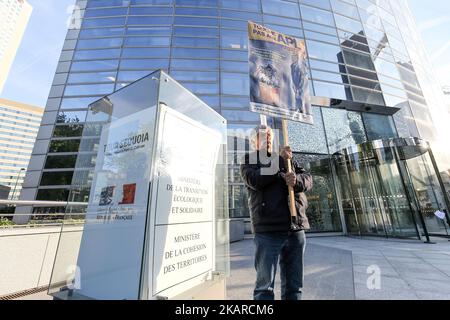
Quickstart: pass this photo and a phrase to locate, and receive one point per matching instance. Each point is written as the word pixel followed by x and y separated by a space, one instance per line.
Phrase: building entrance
pixel 391 188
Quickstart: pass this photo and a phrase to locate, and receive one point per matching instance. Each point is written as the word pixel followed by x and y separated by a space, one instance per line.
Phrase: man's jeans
pixel 287 248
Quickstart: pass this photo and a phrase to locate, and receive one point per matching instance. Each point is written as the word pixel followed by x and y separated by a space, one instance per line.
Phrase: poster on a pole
pixel 278 75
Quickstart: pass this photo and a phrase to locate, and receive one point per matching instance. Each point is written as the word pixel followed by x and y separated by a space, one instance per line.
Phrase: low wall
pixel 26 257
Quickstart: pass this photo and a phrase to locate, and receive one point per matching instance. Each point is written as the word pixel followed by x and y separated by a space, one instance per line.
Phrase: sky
pixel 32 73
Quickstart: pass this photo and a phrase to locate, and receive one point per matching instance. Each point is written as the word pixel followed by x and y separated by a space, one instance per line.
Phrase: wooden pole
pixel 288 163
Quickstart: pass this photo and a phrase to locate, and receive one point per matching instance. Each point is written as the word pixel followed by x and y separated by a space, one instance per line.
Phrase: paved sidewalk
pixel 410 270
pixel 328 273
pixel 336 269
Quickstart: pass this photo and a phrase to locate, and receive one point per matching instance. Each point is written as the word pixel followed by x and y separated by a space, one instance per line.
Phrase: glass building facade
pixel 369 77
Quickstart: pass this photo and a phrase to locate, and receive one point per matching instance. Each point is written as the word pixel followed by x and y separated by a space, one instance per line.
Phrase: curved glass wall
pixel 359 51
pixel 389 188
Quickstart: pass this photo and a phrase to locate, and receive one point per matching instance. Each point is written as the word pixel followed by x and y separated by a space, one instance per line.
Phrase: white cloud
pixel 440 51
pixel 433 23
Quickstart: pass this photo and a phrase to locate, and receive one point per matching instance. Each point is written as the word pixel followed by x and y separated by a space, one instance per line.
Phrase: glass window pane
pixel 343 128
pixel 149 20
pixel 281 8
pixel 146 41
pixel 317 15
pixel 195 42
pixel 101 32
pixel 92 77
pixel 149 31
pixel 94 65
pixel 103 22
pixel 56 162
pixel 324 51
pixel 300 135
pixel 194 53
pixel 140 64
pixel 56 178
pixel 72 130
pixel 232 39
pixel 145 53
pixel 76 103
pixel 250 5
pixel 71 116
pixel 195 76
pixel 196 31
pixel 64 146
pixel 235 84
pixel 331 90
pixel 52 194
pixel 99 43
pixel 97 54
pixel 379 126
pixel 90 89
pixel 105 12
pixel 194 64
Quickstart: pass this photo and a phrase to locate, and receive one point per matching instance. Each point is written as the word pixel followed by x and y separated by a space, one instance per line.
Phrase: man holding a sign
pixel 278 88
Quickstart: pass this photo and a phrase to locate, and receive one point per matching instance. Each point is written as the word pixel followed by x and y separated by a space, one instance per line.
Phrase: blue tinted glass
pixel 192 31
pixel 145 53
pixel 75 103
pixel 379 126
pixel 144 64
pixel 197 11
pixel 331 90
pixel 142 2
pixel 317 15
pixel 196 21
pixel 241 115
pixel 94 65
pixel 89 23
pixel 130 76
pixel 105 12
pixel 240 15
pixel 235 84
pixel 232 39
pixel 151 31
pixel 236 102
pixel 202 88
pixel 324 51
pixel 141 11
pixel 234 55
pixel 96 54
pixel 153 20
pixel 200 3
pixel 234 66
pixel 195 42
pixel 286 30
pixel 325 4
pixel 99 43
pixel 106 3
pixel 212 101
pixel 195 76
pixel 194 64
pixel 100 32
pixel 281 8
pixel 195 53
pixel 249 5
pixel 92 77
pixel 91 89
pixel 147 41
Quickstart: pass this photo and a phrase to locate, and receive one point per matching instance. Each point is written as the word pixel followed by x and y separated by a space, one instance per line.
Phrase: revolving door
pixel 391 188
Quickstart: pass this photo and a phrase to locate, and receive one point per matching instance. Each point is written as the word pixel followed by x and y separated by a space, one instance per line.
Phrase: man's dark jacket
pixel 269 196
